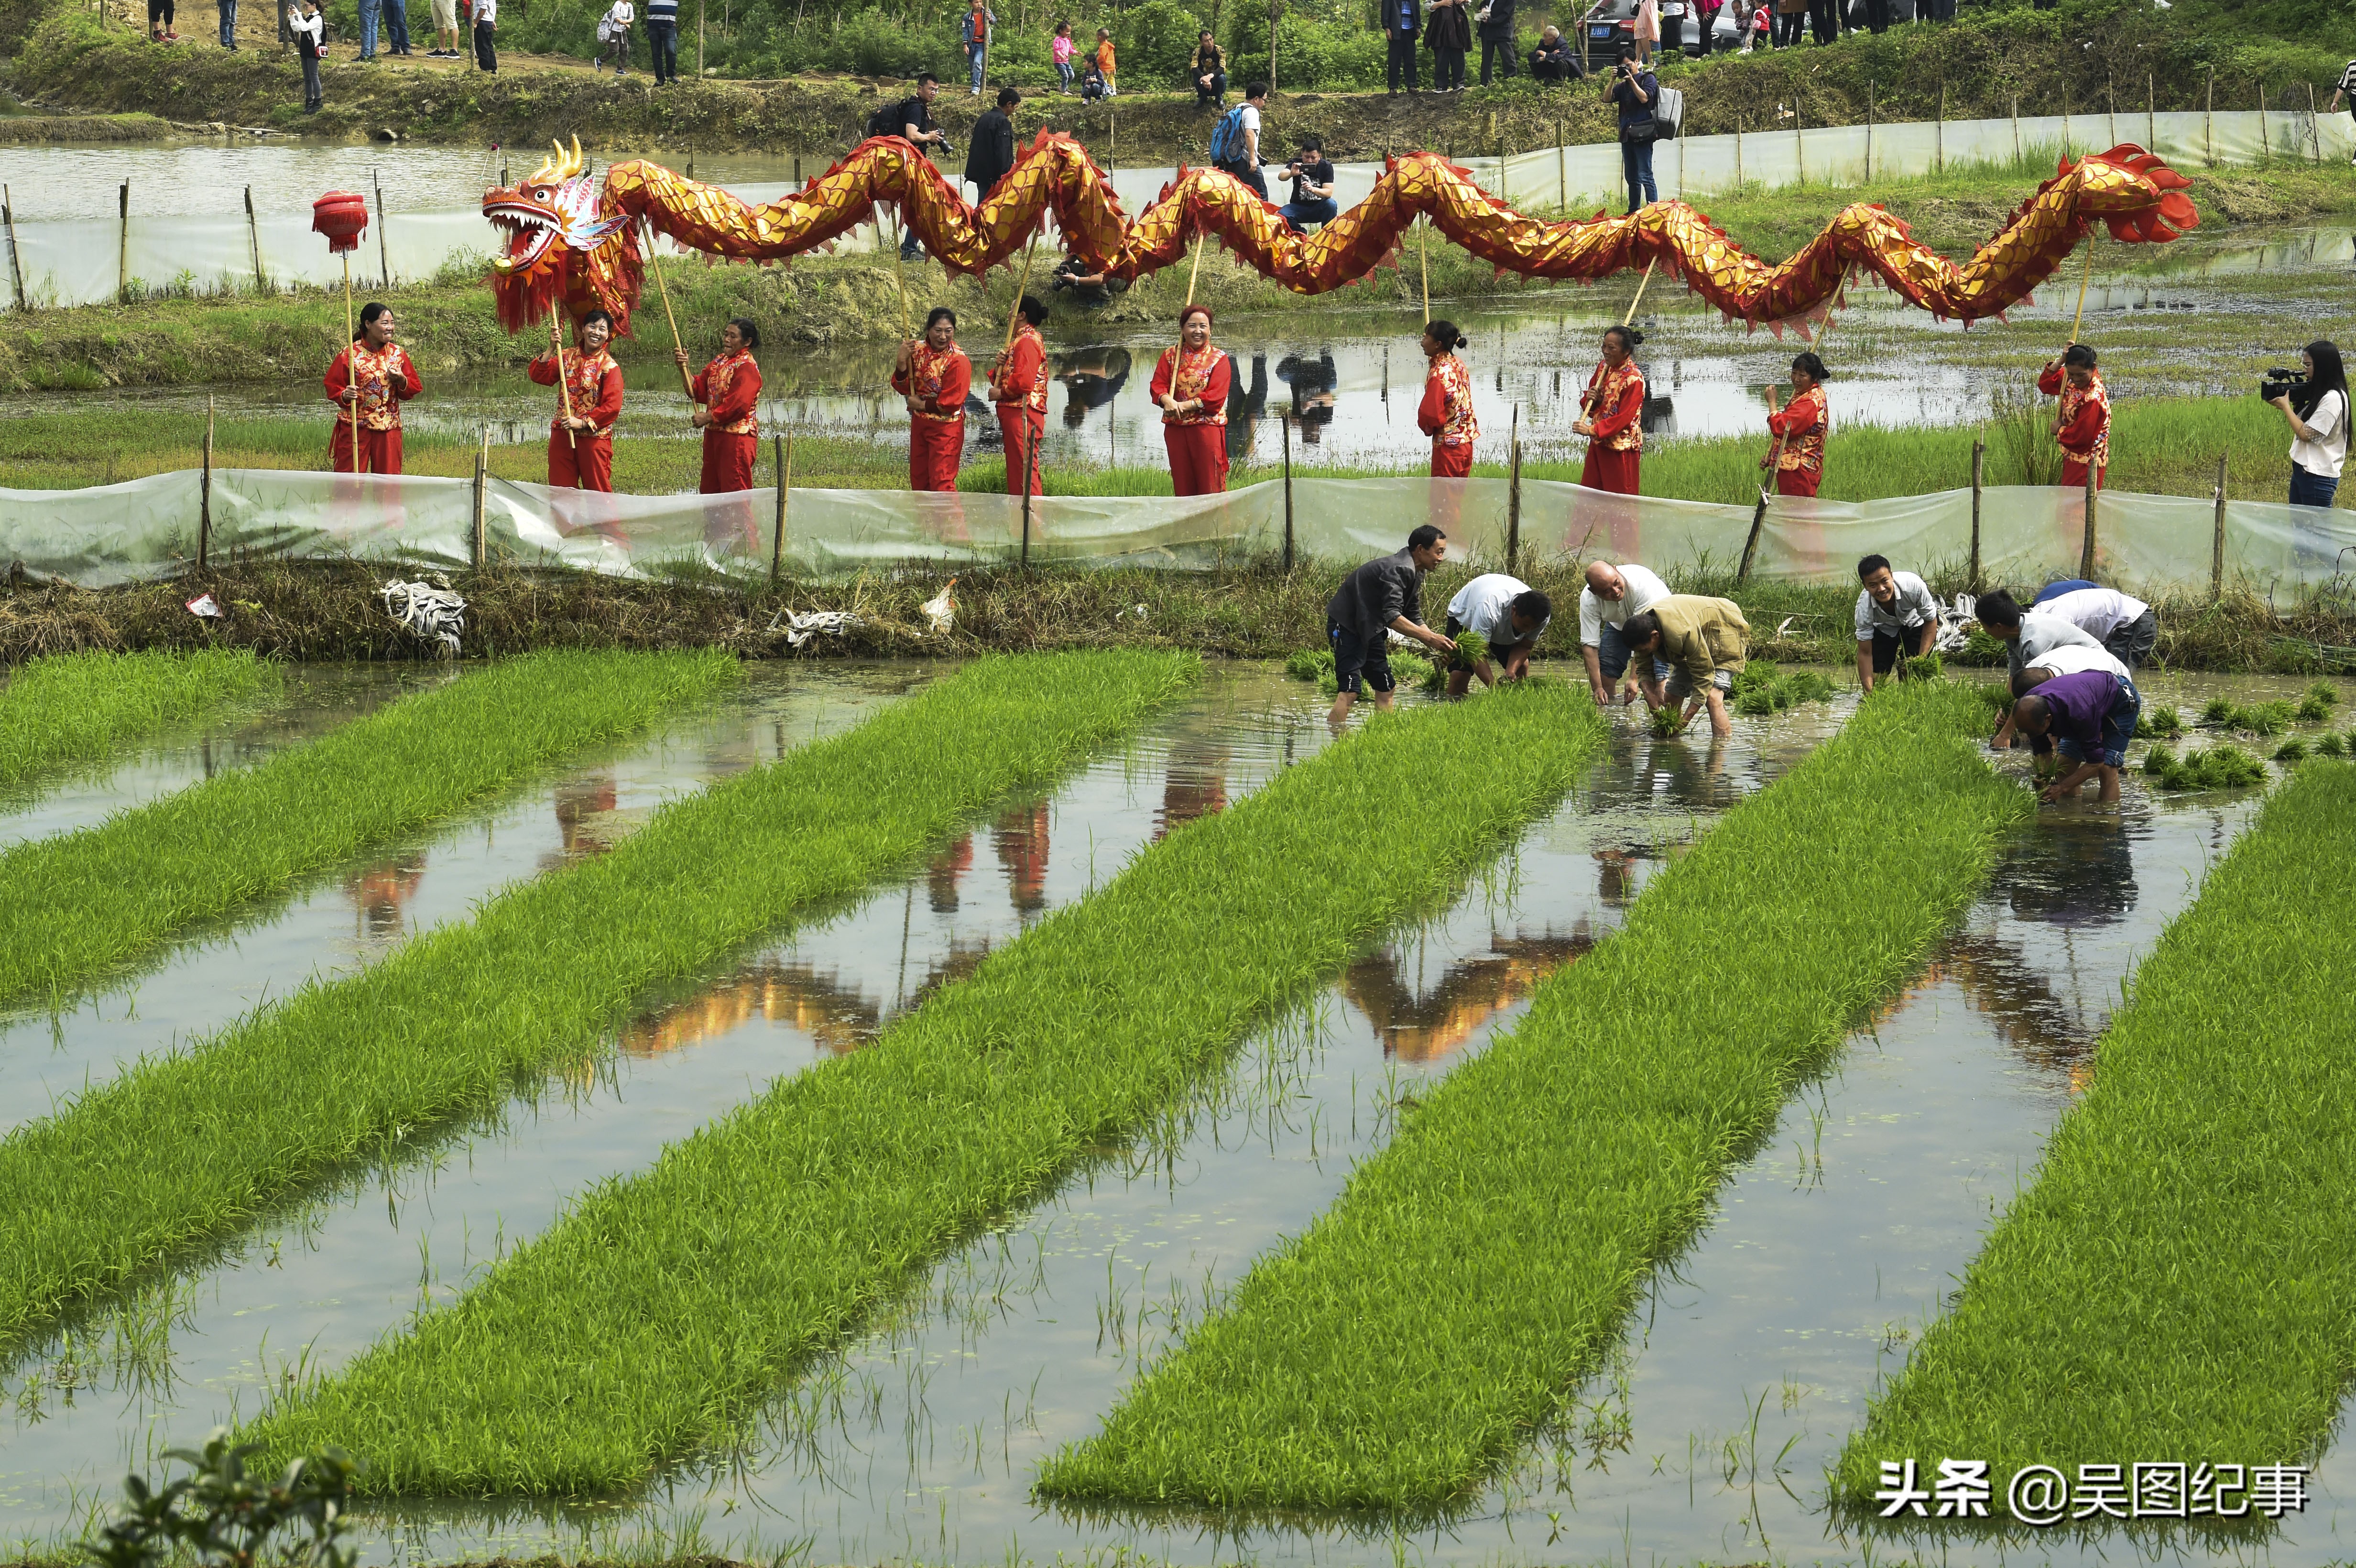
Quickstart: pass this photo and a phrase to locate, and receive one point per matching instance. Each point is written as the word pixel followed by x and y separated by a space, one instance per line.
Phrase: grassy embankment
pixel 1475 1270
pixel 77 706
pixel 2174 1285
pixel 767 1235
pixel 75 906
pixel 183 1151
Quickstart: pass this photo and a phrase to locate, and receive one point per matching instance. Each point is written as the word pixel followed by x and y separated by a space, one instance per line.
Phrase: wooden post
pixel 2086 554
pixel 2315 124
pixel 2217 545
pixel 1513 491
pixel 2208 120
pixel 383 255
pixel 1869 132
pixel 123 245
pixel 1799 142
pixel 699 39
pixel 1737 152
pixel 2065 123
pixel 1939 145
pixel 482 481
pixel 1275 7
pixel 204 495
pixel 2016 127
pixel 2110 108
pixel 783 446
pixel 2266 139
pixel 253 237
pixel 1286 426
pixel 1979 461
pixel 1562 170
pixel 2151 112
pixel 15 267
pixel 1500 163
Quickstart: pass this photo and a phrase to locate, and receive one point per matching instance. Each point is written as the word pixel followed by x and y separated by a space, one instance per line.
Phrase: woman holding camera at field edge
pixel 1446 412
pixel 2317 413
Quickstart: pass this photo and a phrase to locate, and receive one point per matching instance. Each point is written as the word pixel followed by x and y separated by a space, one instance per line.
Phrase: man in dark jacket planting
pixel 1383 596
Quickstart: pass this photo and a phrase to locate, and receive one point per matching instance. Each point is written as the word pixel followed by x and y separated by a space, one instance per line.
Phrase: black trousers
pixel 1498 52
pixel 1446 69
pixel 1877 15
pixel 1824 19
pixel 662 42
pixel 311 98
pixel 487 47
pixel 1212 96
pixel 1402 60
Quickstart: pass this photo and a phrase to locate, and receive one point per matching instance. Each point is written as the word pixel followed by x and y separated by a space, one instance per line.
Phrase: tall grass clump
pixel 654 1318
pixel 74 905
pixel 183 1151
pixel 73 706
pixel 1475 1271
pixel 2175 1284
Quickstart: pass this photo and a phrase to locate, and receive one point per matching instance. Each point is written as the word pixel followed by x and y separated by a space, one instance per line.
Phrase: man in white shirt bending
pixel 1896 614
pixel 2123 623
pixel 1509 615
pixel 1613 594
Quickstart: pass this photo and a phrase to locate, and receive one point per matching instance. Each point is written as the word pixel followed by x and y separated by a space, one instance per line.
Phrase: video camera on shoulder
pixel 2279 382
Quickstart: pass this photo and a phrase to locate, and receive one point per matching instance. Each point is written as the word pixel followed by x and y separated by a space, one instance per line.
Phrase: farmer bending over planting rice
pixel 2123 623
pixel 2028 638
pixel 1383 596
pixel 1895 613
pixel 1705 641
pixel 1613 594
pixel 1508 615
pixel 2089 717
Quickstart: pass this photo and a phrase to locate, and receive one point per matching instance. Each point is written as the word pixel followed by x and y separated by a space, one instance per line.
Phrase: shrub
pixel 1155 41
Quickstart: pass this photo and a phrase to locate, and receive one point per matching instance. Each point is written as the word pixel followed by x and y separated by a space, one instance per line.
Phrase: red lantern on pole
pixel 342 216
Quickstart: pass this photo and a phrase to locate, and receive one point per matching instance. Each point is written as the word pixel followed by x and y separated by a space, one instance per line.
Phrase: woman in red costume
pixel 1018 385
pixel 933 377
pixel 1614 423
pixel 2083 425
pixel 379 374
pixel 729 390
pixel 1191 386
pixel 1446 412
pixel 581 436
pixel 1800 429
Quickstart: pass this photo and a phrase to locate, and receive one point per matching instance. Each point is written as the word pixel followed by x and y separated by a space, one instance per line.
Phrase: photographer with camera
pixel 1312 176
pixel 2315 405
pixel 1636 91
pixel 913 119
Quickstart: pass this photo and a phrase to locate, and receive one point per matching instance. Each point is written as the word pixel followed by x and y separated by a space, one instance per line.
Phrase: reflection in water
pixel 1475 989
pixel 832 1011
pixel 2088 881
pixel 1313 383
pixel 587 822
pixel 1021 839
pixel 942 876
pixel 382 893
pixel 1092 378
pixel 2017 998
pixel 1616 875
pixel 1194 786
pixel 1246 400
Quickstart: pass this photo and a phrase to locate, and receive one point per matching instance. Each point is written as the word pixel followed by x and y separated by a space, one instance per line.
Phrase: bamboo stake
pixel 563 387
pixel 2265 140
pixel 351 368
pixel 15 267
pixel 1979 460
pixel 2217 546
pixel 1285 426
pixel 482 483
pixel 2084 281
pixel 1514 489
pixel 204 495
pixel 383 254
pixel 686 380
pixel 1775 461
pixel 784 448
pixel 2086 552
pixel 253 237
pixel 123 245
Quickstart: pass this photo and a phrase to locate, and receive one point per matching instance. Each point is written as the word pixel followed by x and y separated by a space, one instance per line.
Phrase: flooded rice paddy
pixel 1706 1436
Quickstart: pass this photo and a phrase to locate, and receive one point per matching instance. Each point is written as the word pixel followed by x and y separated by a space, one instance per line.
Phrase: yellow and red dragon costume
pixel 567 238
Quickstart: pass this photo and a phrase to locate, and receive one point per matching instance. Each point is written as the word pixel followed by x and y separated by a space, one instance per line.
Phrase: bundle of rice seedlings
pixel 2218 767
pixel 1471 646
pixel 1310 663
pixel 2162 720
pixel 1930 666
pixel 2332 745
pixel 2160 761
pixel 2317 704
pixel 2291 750
pixel 2219 712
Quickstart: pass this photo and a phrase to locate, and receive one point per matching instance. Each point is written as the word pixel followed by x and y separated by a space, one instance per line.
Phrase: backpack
pixel 1228 138
pixel 886 121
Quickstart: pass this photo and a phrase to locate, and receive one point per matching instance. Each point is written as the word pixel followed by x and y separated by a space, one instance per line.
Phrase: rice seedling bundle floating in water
pixel 78 904
pixel 2176 1283
pixel 183 1150
pixel 2213 767
pixel 73 707
pixel 1475 1271
pixel 659 1314
pixel 2161 720
pixel 1761 688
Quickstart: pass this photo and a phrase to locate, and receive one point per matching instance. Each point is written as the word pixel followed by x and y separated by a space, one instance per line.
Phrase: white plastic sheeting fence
pixel 83 261
pixel 149 529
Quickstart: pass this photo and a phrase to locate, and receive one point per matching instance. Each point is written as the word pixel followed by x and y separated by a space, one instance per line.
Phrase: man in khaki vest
pixel 1704 640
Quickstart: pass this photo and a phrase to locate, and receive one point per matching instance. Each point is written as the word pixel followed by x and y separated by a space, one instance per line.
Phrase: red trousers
pixel 1021 428
pixel 380 449
pixel 1198 458
pixel 727 462
pixel 1608 470
pixel 580 463
pixel 936 447
pixel 1452 461
pixel 2073 472
pixel 1798 481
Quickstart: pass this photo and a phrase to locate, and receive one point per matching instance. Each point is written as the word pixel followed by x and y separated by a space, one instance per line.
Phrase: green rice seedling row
pixel 2175 1284
pixel 76 905
pixel 1479 1268
pixel 183 1151
pixel 653 1321
pixel 73 707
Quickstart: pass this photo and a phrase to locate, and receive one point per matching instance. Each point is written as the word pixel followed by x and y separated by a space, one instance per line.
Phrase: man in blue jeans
pixel 1635 90
pixel 396 26
pixel 1312 174
pixel 370 10
pixel 974 34
pixel 663 38
pixel 2088 716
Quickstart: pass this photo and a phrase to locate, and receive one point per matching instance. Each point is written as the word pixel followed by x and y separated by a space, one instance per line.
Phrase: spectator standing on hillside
pixel 1208 71
pixel 662 40
pixel 1494 23
pixel 1448 33
pixel 1759 34
pixel 618 22
pixel 228 9
pixel 396 26
pixel 445 31
pixel 1824 20
pixel 1235 141
pixel 310 30
pixel 1553 60
pixel 1647 30
pixel 487 35
pixel 1402 20
pixel 1312 176
pixel 992 152
pixel 973 33
pixel 1063 49
pixel 1635 90
pixel 2345 91
pixel 1107 63
pixel 159 22
pixel 1790 18
pixel 915 118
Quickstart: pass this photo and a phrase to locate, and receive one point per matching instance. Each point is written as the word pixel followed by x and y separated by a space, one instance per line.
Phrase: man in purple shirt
pixel 2089 717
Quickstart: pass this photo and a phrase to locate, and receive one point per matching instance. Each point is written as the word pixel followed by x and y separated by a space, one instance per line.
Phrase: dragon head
pixel 2139 196
pixel 555 238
